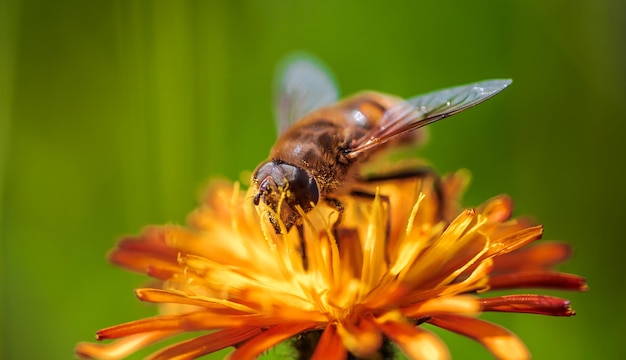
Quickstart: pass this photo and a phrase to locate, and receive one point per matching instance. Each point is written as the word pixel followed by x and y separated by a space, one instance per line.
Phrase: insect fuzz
pixel 323 143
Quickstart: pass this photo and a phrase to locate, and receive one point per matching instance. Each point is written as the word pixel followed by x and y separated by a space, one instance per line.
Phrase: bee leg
pixel 340 209
pixel 410 174
pixel 305 261
pixel 386 202
pixel 339 233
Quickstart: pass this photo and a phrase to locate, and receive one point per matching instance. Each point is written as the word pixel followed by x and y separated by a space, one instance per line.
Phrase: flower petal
pixel 121 348
pixel 137 253
pixel 167 296
pixel 464 304
pixel 532 304
pixel 477 280
pixel 515 241
pixel 427 269
pixel 541 256
pixel 497 209
pixel 374 251
pixel 538 279
pixel 269 338
pixel 500 342
pixel 330 346
pixel 201 320
pixel 361 340
pixel 415 342
pixel 206 344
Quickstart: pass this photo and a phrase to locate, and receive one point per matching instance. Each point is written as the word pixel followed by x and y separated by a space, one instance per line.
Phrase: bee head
pixel 276 181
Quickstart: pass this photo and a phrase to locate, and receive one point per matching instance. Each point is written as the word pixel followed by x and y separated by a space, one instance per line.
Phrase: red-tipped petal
pixel 532 304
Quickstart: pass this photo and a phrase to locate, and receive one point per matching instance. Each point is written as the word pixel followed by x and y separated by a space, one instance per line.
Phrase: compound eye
pixel 304 189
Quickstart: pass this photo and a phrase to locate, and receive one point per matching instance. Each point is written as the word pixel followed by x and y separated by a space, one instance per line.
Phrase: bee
pixel 323 143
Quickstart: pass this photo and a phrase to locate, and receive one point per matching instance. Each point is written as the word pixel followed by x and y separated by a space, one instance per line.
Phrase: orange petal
pixel 164 271
pixel 143 262
pixel 538 279
pixel 361 340
pixel 476 280
pixel 206 344
pixel 137 253
pixel 273 336
pixel 502 343
pixel 151 240
pixel 166 296
pixel 202 320
pixel 415 342
pixel 330 346
pixel 497 209
pixel 541 256
pixel 120 348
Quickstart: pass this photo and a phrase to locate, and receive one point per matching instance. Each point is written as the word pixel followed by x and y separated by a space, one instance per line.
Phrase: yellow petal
pixel 437 256
pixel 463 304
pixel 515 241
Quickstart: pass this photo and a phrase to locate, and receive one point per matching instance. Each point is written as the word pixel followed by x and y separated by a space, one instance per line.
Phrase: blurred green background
pixel 113 115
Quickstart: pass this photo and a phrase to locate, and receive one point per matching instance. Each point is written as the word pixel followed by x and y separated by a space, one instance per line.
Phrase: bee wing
pixel 303 85
pixel 425 109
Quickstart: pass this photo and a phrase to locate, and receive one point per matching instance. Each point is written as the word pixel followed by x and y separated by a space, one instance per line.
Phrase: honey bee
pixel 323 143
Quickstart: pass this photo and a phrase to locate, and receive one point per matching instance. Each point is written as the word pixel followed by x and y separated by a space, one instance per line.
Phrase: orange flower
pixel 403 257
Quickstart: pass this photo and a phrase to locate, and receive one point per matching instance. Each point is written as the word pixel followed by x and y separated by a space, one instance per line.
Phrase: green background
pixel 113 115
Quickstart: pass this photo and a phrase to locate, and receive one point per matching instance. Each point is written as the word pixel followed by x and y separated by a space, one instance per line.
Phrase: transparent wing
pixel 425 109
pixel 303 85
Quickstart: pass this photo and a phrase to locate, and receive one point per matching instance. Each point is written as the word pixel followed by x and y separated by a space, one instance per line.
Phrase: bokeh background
pixel 113 115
